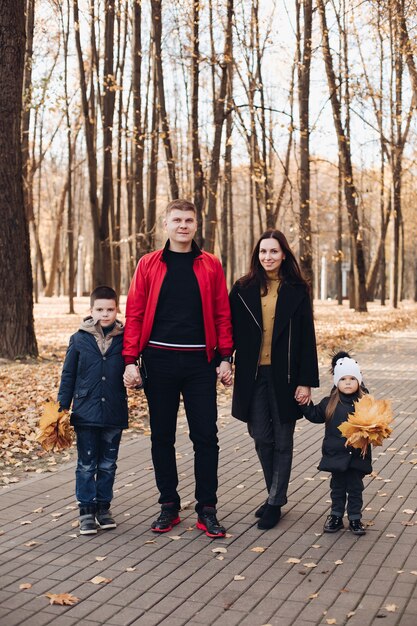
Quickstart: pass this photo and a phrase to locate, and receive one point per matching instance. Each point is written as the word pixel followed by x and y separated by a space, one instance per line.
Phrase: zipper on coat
pixel 289 354
pixel 256 322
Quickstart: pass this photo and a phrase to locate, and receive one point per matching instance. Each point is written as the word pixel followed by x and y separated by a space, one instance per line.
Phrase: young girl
pixel 346 464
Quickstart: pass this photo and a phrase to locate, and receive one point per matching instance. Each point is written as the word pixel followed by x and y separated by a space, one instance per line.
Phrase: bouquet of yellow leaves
pixel 369 424
pixel 55 432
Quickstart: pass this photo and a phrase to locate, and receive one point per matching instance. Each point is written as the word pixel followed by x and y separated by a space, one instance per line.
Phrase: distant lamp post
pixel 80 274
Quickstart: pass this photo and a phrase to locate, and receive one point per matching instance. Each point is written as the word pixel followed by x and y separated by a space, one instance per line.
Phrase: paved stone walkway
pixel 178 579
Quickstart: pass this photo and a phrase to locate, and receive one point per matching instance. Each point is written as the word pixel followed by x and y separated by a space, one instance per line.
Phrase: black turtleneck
pixel 178 322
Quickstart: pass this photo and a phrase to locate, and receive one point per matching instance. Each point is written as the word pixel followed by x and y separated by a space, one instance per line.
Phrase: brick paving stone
pixel 124 617
pixel 182 582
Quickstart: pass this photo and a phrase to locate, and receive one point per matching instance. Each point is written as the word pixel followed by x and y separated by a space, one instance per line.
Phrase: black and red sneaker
pixel 208 522
pixel 167 518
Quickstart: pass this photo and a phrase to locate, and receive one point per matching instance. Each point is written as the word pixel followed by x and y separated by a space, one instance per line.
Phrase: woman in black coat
pixel 275 360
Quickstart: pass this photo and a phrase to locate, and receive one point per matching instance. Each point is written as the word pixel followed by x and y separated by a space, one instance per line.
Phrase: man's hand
pixel 303 394
pixel 132 377
pixel 224 373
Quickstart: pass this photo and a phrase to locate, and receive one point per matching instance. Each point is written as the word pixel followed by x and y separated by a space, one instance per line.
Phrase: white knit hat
pixel 346 367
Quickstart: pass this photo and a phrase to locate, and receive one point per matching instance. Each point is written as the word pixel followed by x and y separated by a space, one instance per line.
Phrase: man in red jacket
pixel 178 321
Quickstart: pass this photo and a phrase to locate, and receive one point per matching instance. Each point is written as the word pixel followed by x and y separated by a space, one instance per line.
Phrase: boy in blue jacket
pixel 92 380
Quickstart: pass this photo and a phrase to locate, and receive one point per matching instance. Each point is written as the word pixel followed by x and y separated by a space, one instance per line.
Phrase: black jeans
pixel 97 449
pixel 274 440
pixel 347 486
pixel 170 373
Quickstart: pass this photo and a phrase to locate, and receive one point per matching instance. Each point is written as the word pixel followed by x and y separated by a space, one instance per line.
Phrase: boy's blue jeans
pixel 98 449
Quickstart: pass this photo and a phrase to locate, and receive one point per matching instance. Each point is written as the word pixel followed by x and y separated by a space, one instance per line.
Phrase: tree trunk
pixel 211 219
pixel 90 123
pixel 306 247
pixel 49 291
pixel 138 131
pixel 198 174
pixel 107 192
pixel 166 136
pixel 16 309
pixel 70 218
pixel 153 165
pixel 351 194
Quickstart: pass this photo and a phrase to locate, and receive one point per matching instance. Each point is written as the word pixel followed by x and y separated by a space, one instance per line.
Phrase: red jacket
pixel 143 297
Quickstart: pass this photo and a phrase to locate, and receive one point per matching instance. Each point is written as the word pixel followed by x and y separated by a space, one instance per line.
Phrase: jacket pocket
pixel 81 393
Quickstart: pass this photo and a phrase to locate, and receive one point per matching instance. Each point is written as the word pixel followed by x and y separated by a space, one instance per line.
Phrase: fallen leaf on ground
pixel 29 544
pixel 331 621
pixel 185 505
pixel 414 572
pixel 351 614
pixel 97 580
pixel 258 549
pixel 130 569
pixel 391 608
pixel 315 545
pixel 292 560
pixel 220 558
pixel 61 598
pixel 25 586
pixel 408 511
pixel 219 550
pixel 238 577
pixel 100 558
pixel 40 510
pixel 390 536
pixel 27 521
pixel 313 595
pixel 310 565
pixel 174 537
pixel 339 562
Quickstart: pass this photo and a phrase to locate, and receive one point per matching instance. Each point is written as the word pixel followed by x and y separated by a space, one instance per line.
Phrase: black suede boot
pixel 270 517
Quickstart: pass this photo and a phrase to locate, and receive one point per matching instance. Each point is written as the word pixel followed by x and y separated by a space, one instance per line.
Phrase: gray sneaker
pixel 87 521
pixel 104 518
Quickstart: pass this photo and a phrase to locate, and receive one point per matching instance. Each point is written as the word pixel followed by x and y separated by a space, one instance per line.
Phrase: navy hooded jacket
pixel 92 378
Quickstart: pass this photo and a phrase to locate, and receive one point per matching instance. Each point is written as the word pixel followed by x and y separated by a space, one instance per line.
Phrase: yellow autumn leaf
pixel 55 431
pixel 219 550
pixel 258 549
pixel 98 580
pixel 61 598
pixel 391 608
pixel 293 560
pixel 25 586
pixel 369 424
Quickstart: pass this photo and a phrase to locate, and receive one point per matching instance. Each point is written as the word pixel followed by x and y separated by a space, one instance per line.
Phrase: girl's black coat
pixel 293 350
pixel 94 383
pixel 336 456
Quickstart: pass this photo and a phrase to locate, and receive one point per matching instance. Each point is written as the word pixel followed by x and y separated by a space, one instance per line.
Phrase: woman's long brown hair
pixel 334 401
pixel 289 270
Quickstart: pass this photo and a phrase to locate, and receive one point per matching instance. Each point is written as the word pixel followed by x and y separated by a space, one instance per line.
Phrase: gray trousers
pixel 274 440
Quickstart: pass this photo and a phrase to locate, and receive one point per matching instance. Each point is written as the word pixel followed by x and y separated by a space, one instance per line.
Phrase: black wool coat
pixel 93 383
pixel 293 350
pixel 336 456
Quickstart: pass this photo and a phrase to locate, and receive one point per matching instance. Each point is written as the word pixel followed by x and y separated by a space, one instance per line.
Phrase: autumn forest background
pixel 296 114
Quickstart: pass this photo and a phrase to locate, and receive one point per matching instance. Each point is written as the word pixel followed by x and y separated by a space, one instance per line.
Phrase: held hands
pixel 303 394
pixel 132 377
pixel 224 373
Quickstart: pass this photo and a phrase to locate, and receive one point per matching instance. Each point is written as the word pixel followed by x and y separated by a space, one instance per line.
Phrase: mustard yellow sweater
pixel 268 305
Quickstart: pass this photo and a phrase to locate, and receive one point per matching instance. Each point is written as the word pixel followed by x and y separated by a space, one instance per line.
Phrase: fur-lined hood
pixel 88 325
